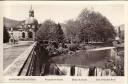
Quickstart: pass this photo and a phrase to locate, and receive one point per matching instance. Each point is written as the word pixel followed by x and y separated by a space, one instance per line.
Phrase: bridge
pixel 35 62
pixel 29 63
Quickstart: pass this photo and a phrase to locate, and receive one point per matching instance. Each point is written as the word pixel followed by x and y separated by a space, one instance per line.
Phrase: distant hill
pixel 8 23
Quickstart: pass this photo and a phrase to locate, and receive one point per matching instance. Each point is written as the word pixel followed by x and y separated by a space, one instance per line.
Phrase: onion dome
pixel 31 21
pixel 31 11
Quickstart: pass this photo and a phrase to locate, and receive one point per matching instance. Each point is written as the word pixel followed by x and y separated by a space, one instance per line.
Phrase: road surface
pixel 11 53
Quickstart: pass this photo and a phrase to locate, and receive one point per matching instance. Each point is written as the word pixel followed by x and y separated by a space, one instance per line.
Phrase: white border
pixel 66 79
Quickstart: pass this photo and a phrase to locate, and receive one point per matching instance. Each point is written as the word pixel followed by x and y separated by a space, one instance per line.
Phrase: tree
pixel 90 26
pixel 59 33
pixel 5 35
pixel 72 30
pixel 45 30
pixel 51 31
pixel 95 26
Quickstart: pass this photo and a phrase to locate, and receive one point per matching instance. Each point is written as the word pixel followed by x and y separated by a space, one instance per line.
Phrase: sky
pixel 63 12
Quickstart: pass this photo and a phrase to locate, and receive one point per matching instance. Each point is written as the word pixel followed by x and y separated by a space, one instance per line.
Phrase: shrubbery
pixel 116 64
pixel 73 47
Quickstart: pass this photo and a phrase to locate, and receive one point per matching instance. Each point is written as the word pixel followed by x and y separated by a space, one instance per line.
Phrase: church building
pixel 26 29
pixel 30 26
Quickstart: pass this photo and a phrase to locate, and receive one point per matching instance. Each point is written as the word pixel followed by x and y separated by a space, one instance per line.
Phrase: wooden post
pixel 72 71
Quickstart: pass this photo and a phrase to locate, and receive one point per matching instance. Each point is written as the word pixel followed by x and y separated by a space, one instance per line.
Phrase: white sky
pixel 63 12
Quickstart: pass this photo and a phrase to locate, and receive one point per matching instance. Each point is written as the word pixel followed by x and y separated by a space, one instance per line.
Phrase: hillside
pixel 11 23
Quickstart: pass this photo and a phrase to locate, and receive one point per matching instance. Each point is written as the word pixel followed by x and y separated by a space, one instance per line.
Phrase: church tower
pixel 31 12
pixel 31 25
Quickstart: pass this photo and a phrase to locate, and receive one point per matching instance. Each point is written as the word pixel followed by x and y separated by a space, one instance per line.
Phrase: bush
pixel 73 47
pixel 62 50
pixel 55 44
pixel 82 47
pixel 117 64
